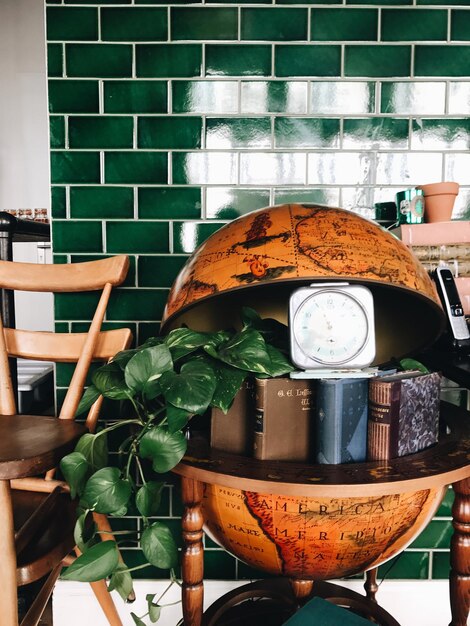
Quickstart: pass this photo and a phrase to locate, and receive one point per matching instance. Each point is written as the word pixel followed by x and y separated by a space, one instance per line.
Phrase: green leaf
pixel 75 469
pixel 106 491
pixel 273 332
pixel 137 620
pixel 84 533
pixel 164 448
pixel 96 563
pixel 154 609
pixel 247 351
pixel 183 341
pixel 280 364
pixel 159 546
pixel 121 581
pixel 192 388
pixel 122 358
pixel 412 364
pixel 177 418
pixel 145 368
pixel 148 498
pixel 109 380
pixel 95 450
pixel 90 396
pixel 229 381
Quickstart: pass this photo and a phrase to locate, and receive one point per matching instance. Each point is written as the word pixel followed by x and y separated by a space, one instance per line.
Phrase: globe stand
pixel 273 601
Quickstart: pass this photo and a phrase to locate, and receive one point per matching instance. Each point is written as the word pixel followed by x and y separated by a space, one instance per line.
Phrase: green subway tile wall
pixel 169 119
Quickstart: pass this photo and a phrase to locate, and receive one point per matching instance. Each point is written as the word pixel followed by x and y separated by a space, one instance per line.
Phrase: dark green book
pixel 323 613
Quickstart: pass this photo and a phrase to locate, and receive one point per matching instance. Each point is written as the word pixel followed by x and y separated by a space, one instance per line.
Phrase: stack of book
pixel 442 244
pixel 331 420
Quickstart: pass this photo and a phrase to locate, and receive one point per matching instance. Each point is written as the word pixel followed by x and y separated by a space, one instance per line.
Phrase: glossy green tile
pixel 414 565
pixel 238 60
pixel 321 196
pixel 134 24
pixel 339 168
pixel 187 236
pixel 460 25
pixel 203 23
pixel 294 132
pixel 218 565
pixel 55 58
pixel 226 203
pixel 245 132
pixel 58 202
pixel 128 237
pixel 342 97
pixel 73 96
pixel 308 60
pixel 137 304
pixel 101 132
pixel 436 535
pixel 447 3
pixel 200 168
pixel 169 132
pixel 414 25
pixel 377 61
pixel 103 60
pixel 325 2
pixel 77 236
pixel 69 24
pixel 136 96
pixel 449 60
pixel 169 202
pixel 101 202
pixel 57 131
pixel 441 134
pixel 441 565
pixel 198 96
pixel 136 167
pixel 165 60
pixel 279 168
pixel 146 330
pixel 274 24
pixel 373 132
pixel 274 97
pixel 159 271
pixel 75 167
pixel 381 2
pixel 393 168
pixel 419 98
pixel 344 24
pixel 100 2
pixel 74 306
pixel 445 508
pixel 457 167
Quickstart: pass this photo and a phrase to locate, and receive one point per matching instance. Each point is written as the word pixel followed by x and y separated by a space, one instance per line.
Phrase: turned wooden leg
pixel 302 589
pixel 371 585
pixel 460 555
pixel 192 566
pixel 8 594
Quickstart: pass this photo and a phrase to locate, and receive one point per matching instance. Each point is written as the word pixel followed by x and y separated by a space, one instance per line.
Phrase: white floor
pixel 423 603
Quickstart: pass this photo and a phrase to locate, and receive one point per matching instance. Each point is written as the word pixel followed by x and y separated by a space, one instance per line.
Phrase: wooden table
pixel 446 463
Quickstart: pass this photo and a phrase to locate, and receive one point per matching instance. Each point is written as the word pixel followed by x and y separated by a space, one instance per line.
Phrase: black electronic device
pixel 457 324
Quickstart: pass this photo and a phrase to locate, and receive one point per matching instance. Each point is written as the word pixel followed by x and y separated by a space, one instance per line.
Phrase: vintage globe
pixel 258 260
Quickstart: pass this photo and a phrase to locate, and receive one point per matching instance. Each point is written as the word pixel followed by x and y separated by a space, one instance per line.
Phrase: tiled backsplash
pixel 168 120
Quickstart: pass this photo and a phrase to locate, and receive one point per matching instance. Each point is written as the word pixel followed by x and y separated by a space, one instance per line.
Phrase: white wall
pixel 24 155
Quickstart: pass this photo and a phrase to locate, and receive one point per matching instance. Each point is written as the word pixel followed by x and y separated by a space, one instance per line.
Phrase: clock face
pixel 332 327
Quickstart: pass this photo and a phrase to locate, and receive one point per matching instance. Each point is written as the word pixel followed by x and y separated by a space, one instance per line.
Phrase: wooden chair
pixel 36 513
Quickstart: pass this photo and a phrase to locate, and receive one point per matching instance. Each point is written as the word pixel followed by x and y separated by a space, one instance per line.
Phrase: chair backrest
pixel 81 348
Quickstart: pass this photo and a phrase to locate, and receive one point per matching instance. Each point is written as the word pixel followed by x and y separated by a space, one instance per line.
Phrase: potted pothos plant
pixel 166 381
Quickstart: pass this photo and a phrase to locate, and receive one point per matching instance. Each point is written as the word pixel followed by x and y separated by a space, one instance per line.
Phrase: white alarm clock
pixel 331 326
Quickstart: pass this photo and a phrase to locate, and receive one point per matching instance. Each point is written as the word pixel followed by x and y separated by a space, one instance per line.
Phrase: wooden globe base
pixel 272 602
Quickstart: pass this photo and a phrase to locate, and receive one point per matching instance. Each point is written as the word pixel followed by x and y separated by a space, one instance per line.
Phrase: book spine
pixel 384 401
pixel 453 232
pixel 260 404
pixel 451 252
pixel 327 437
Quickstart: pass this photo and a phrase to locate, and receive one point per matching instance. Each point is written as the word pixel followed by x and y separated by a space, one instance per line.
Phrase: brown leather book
pixel 403 414
pixel 233 431
pixel 285 413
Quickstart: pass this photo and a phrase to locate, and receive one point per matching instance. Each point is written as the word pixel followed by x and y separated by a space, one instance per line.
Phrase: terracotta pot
pixel 439 201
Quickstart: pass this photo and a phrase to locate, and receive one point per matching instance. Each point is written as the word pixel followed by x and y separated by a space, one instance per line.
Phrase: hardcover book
pixel 320 612
pixel 403 414
pixel 285 410
pixel 455 231
pixel 233 431
pixel 450 252
pixel 341 425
